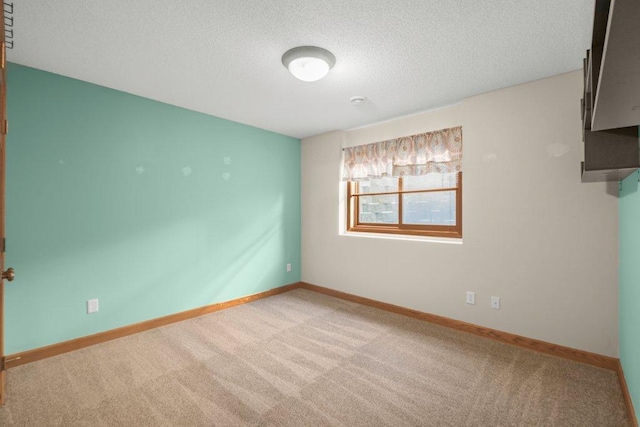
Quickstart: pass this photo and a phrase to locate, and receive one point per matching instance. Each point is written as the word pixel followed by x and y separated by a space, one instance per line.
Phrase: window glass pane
pixel 437 208
pixel 379 185
pixel 379 209
pixel 429 181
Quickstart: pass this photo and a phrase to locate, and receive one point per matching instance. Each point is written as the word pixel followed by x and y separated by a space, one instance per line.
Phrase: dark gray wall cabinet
pixel 611 104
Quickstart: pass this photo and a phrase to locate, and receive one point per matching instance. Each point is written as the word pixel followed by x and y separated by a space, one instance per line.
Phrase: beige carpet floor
pixel 303 358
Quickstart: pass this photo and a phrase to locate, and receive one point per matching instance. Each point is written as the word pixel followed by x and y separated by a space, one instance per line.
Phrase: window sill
pixel 406 237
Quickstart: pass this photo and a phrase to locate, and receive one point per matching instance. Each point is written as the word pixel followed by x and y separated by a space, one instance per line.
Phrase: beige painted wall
pixel 533 234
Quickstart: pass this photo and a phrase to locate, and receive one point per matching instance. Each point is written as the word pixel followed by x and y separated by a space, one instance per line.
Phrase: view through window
pixel 423 205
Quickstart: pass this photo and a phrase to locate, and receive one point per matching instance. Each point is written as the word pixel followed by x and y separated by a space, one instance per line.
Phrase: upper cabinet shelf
pixel 611 101
pixel 616 64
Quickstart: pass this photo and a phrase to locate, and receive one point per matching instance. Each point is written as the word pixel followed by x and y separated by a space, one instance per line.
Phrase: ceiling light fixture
pixel 308 63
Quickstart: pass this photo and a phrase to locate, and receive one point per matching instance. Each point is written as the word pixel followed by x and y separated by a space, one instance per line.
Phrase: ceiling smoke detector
pixel 357 100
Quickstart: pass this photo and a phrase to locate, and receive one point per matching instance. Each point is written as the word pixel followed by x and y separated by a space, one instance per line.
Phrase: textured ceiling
pixel 222 57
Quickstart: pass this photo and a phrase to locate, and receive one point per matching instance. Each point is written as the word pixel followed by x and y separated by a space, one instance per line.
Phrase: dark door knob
pixel 9 274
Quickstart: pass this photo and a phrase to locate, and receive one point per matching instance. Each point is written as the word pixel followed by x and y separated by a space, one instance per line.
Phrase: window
pixel 429 205
pixel 409 185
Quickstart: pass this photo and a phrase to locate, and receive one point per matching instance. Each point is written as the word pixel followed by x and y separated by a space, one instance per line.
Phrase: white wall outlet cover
pixel 471 297
pixel 92 306
pixel 495 303
pixel 288 268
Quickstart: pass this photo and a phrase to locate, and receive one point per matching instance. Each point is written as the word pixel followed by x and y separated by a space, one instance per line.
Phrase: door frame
pixel 3 131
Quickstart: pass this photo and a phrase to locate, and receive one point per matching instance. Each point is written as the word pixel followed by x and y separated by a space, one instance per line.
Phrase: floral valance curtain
pixel 431 152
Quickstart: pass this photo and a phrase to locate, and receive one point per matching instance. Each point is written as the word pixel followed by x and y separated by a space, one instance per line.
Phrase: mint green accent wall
pixel 629 305
pixel 150 208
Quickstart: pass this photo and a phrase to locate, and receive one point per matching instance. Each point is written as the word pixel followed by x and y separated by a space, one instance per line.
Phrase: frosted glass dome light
pixel 308 63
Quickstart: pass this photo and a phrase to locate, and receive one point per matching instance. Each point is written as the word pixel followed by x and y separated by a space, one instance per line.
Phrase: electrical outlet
pixel 288 268
pixel 92 306
pixel 495 303
pixel 471 297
